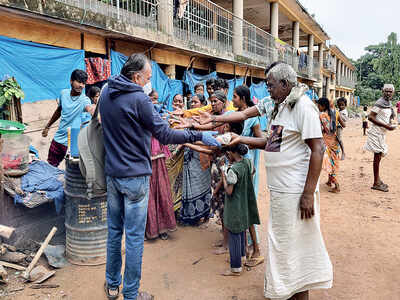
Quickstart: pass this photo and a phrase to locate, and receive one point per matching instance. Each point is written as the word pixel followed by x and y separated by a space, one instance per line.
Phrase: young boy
pixel 364 117
pixel 344 115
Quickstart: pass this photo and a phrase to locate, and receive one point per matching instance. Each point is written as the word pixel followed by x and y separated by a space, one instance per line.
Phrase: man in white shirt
pixel 297 259
pixel 380 116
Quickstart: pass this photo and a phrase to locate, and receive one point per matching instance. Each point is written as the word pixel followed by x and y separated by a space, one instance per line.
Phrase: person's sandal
pixel 381 188
pixel 107 289
pixel 144 296
pixel 164 236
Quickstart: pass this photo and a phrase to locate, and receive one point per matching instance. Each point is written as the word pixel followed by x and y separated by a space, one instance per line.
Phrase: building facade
pixel 236 38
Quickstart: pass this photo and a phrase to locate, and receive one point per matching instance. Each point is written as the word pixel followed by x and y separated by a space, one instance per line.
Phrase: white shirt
pixel 287 156
pixel 383 115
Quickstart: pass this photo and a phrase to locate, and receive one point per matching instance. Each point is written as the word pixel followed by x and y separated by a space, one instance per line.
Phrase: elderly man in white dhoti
pixel 380 116
pixel 297 259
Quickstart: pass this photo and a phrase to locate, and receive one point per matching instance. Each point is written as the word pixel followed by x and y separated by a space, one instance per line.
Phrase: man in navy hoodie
pixel 129 120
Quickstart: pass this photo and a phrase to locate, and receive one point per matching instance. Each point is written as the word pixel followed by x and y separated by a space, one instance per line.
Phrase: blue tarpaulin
pixel 232 84
pixel 166 88
pixel 191 78
pixel 42 178
pixel 117 61
pixel 257 92
pixel 41 70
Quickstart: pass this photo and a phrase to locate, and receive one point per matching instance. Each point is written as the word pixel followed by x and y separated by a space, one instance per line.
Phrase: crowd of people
pixel 202 160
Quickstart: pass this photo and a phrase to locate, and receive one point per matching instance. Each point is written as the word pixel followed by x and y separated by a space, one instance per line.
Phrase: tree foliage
pixel 380 65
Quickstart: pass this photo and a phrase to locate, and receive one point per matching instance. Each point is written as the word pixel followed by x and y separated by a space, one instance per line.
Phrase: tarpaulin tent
pixel 257 92
pixel 191 78
pixel 41 70
pixel 166 88
pixel 232 84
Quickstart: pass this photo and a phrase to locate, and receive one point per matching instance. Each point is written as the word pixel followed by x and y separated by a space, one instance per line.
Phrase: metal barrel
pixel 85 220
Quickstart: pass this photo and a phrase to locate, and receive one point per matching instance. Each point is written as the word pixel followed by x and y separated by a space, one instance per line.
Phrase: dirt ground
pixel 360 227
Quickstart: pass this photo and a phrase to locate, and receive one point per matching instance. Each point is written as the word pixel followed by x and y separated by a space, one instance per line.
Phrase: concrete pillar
pixel 310 55
pixel 166 16
pixel 238 27
pixel 274 25
pixel 296 34
pixel 327 87
pixel 296 43
pixel 170 71
pixel 321 59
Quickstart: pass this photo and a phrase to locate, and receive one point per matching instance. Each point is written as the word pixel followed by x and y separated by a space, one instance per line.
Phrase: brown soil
pixel 359 226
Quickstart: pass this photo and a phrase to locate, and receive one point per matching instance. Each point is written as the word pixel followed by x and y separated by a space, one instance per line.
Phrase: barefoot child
pixel 364 117
pixel 240 211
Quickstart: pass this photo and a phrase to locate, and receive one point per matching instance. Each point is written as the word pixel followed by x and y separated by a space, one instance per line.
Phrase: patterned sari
pixel 331 156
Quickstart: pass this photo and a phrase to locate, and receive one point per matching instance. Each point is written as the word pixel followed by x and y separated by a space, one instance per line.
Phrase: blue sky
pixel 355 24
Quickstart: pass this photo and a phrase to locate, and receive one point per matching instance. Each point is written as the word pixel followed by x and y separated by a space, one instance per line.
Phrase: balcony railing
pixel 202 25
pixel 329 64
pixel 346 82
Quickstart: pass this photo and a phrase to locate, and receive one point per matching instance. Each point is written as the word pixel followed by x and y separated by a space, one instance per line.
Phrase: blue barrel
pixel 85 220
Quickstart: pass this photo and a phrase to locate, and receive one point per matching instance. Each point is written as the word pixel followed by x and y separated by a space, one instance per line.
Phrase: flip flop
pixel 230 273
pixel 220 251
pixel 107 290
pixel 144 296
pixel 380 188
pixel 254 261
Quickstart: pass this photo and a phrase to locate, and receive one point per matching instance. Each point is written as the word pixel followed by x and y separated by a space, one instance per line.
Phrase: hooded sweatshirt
pixel 129 120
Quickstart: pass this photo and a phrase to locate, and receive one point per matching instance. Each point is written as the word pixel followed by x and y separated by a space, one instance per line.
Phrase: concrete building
pixel 230 37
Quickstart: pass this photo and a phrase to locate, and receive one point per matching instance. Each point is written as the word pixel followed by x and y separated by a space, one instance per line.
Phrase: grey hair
pixel 283 71
pixel 388 86
pixel 135 63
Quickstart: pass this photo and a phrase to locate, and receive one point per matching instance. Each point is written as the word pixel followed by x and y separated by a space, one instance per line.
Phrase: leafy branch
pixel 10 88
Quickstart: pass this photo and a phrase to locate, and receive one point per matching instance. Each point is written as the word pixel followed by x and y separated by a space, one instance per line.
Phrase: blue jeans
pixel 127 200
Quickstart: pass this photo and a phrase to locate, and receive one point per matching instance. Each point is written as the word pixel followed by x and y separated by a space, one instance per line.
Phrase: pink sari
pixel 160 213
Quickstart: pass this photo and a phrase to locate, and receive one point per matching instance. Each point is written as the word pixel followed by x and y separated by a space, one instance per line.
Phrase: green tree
pixel 380 65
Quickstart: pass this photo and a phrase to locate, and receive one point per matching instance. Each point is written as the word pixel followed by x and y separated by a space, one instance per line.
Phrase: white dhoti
pixel 297 259
pixel 376 142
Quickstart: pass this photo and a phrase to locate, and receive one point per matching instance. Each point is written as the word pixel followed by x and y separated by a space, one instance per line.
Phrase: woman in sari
pixel 331 157
pixel 196 193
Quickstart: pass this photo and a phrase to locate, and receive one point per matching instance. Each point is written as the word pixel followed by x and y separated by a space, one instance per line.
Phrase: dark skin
pixel 76 89
pixel 388 95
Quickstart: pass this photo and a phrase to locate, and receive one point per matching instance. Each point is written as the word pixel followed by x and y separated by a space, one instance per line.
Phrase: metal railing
pixel 329 64
pixel 346 82
pixel 201 25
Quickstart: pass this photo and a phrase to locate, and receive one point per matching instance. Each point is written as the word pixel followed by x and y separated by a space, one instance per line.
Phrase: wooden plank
pixel 12 266
pixel 39 32
pixel 6 232
pixel 95 43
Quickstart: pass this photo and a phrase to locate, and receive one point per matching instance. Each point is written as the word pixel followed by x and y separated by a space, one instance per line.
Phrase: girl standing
pixel 240 211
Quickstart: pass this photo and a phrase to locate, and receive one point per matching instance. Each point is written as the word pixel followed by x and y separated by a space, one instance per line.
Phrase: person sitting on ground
pixel 240 212
pixel 71 104
pixel 344 116
pixel 199 88
pixel 364 117
pixel 329 129
pixel 380 116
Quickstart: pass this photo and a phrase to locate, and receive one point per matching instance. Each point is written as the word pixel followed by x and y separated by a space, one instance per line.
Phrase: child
pixel 344 115
pixel 364 117
pixel 240 209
